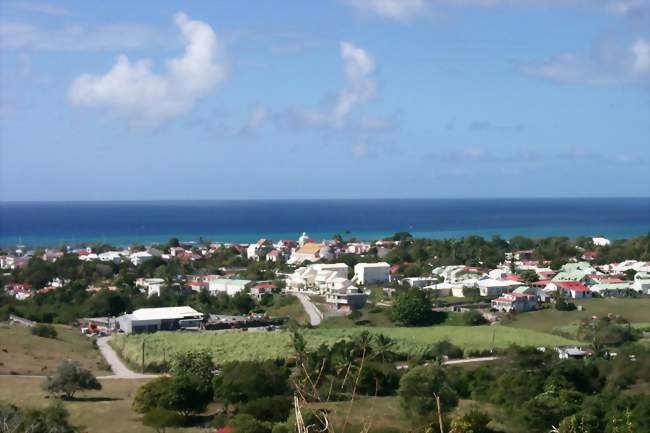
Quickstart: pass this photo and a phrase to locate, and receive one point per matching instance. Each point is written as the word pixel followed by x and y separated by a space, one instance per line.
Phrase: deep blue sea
pixel 122 223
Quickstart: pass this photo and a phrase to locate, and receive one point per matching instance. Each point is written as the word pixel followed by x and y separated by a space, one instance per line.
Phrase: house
pixel 317 276
pixel 52 256
pixel 372 273
pixel 357 247
pixel 307 252
pixel 261 289
pixel 442 289
pixel 110 256
pixel 160 319
pixel 274 256
pixel 20 291
pixel 152 285
pixel 217 284
pixel 343 295
pixel 490 287
pixel 420 281
pixel 568 289
pixel 600 241
pixel 518 302
pixel 573 352
pixel 258 250
pixel 197 285
pixel 140 257
pixel 617 289
pixel 642 283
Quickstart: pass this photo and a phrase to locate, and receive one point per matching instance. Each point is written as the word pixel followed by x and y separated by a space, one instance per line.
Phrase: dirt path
pixel 120 370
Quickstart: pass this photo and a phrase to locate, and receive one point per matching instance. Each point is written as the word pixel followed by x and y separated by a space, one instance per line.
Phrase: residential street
pixel 315 316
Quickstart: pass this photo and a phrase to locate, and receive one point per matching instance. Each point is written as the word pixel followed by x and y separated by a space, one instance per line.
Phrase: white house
pixel 308 252
pixel 568 289
pixel 257 250
pixel 515 302
pixel 642 283
pixel 152 285
pixel 110 256
pixel 600 241
pixel 216 284
pixel 372 273
pixel 317 276
pixel 140 257
pixel 491 287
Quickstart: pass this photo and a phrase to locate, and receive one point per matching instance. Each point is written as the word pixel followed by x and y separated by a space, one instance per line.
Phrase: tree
pixel 186 394
pixel 245 381
pixel 418 388
pixel 159 419
pixel 529 276
pixel 382 348
pixel 244 423
pixel 69 378
pixel 149 396
pixel 412 307
pixel 474 318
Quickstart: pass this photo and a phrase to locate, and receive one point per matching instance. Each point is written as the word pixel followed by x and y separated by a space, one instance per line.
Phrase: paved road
pixel 315 316
pixel 468 360
pixel 120 370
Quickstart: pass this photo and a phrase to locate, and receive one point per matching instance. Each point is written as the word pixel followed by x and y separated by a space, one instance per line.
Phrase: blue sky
pixel 332 99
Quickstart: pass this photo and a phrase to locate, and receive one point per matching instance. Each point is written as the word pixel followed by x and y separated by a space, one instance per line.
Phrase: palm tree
pixel 382 347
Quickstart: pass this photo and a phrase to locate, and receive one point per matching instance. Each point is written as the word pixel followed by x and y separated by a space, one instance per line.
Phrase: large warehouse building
pixel 160 319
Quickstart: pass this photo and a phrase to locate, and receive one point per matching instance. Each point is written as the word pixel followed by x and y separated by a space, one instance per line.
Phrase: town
pixel 412 302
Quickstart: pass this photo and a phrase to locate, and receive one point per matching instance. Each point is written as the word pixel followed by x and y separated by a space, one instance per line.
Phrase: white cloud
pixel 42 8
pixel 133 91
pixel 358 67
pixel 400 10
pixel 404 10
pixel 22 35
pixel 609 63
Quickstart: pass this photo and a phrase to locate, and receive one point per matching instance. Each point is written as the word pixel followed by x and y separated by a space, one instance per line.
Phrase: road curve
pixel 315 316
pixel 120 370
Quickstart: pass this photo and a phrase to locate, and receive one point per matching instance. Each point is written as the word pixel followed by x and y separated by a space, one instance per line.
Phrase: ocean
pixel 51 224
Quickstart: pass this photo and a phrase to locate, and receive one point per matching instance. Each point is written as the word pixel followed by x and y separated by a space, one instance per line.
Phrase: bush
pixel 149 395
pixel 444 348
pixel 35 420
pixel 244 381
pixel 244 423
pixel 354 315
pixel 474 318
pixel 274 408
pixel 563 305
pixel 43 330
pixel 69 378
pixel 417 389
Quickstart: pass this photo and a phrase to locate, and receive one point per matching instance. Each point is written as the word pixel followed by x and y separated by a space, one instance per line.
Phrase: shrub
pixel 274 408
pixel 69 378
pixel 43 330
pixel 418 387
pixel 474 318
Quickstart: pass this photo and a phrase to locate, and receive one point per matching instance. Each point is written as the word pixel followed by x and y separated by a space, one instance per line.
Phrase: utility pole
pixel 442 427
pixel 142 367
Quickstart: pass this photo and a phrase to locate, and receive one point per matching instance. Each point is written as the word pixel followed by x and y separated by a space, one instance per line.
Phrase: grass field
pixel 635 310
pixel 292 308
pixel 24 353
pixel 104 411
pixel 231 346
pixel 386 414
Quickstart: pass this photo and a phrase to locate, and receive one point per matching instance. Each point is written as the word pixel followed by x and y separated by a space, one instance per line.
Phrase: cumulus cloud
pixel 133 91
pixel 609 63
pixel 358 68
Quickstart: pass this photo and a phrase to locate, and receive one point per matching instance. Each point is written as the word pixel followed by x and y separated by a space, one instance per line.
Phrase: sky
pixel 330 99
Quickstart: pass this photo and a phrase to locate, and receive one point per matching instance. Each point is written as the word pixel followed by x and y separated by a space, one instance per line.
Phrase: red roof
pixel 514 278
pixel 572 285
pixel 265 286
pixel 540 283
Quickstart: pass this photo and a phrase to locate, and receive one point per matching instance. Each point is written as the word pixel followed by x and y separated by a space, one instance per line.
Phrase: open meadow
pixel 105 411
pixel 547 320
pixel 231 346
pixel 24 353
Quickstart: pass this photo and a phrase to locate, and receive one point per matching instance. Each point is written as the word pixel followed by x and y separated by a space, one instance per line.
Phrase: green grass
pixel 231 346
pixel 104 411
pixel 635 310
pixel 290 307
pixel 24 353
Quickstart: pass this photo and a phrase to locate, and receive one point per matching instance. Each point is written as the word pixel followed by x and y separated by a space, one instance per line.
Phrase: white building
pixel 491 287
pixel 226 285
pixel 140 257
pixel 372 273
pixel 317 276
pixel 152 285
pixel 515 302
pixel 160 319
pixel 110 256
pixel 308 252
pixel 601 242
pixel 642 283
